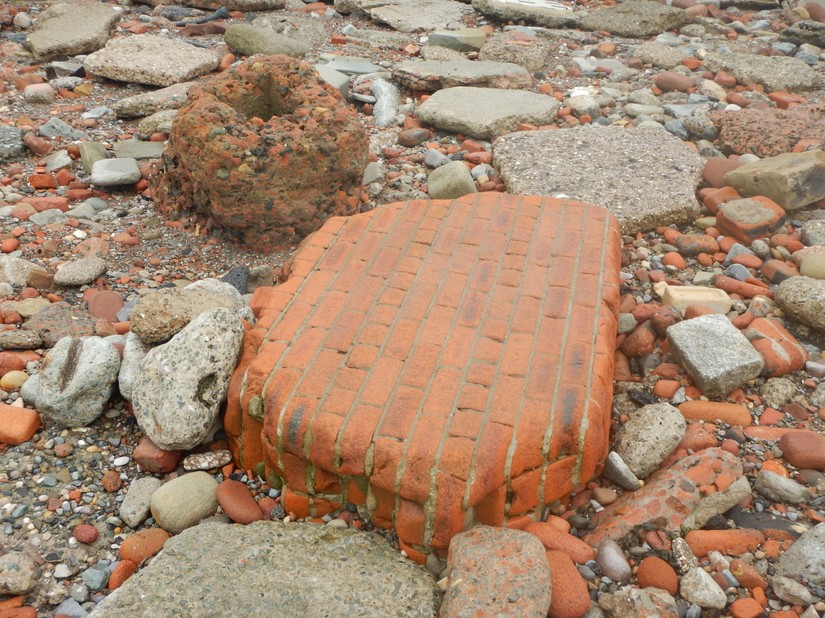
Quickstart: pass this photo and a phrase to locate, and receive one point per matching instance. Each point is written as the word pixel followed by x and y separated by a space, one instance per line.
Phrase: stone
pixel 495 570
pixel 804 559
pixel 151 458
pixel 237 5
pixel 538 12
pixel 12 146
pixel 450 181
pixel 773 72
pixel 115 172
pixel 647 603
pixel 805 32
pixel 510 46
pixel 150 59
pixel 250 40
pixel 780 489
pixel 207 460
pixel 266 372
pixel 267 201
pixel 803 298
pixel 143 544
pixel 159 122
pixel 639 18
pixel 180 384
pixel 54 127
pixel 804 449
pixel 654 572
pixel 158 316
pixel 136 149
pixel 612 561
pixel 669 496
pixel 147 103
pixel 429 75
pixel 80 272
pixel 618 471
pixel 377 581
pixel 750 218
pixel 59 320
pixel 135 506
pixel 413 15
pixel 697 586
pixel 649 437
pixel 237 502
pixel 643 188
pixel 681 297
pixel 133 352
pixel 76 379
pixel 463 40
pixel 71 29
pixel 306 29
pixel 696 344
pixel 792 180
pixel 17 425
pixel 185 500
pixel 664 57
pixel 485 112
pixel 584 106
pixel 20 340
pixel 16 271
pixel 18 573
pixel 91 153
pixel 570 596
pixel 813 232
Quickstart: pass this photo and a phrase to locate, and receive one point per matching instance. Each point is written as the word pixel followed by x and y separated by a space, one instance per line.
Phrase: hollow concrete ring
pixel 267 151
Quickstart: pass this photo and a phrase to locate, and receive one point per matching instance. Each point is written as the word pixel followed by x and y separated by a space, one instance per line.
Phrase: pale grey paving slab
pixel 71 29
pixel 438 74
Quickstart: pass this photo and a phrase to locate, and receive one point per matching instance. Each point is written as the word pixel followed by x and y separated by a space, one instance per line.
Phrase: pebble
pixel 237 502
pixel 85 533
pixel 698 587
pixel 612 561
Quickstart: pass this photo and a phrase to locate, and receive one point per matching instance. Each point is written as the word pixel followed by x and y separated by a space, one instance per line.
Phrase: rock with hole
pixel 180 384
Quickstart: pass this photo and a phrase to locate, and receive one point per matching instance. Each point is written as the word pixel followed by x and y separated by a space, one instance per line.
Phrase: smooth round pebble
pixel 612 561
pixel 85 533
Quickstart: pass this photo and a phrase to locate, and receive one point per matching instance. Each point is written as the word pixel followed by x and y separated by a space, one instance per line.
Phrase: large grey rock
pixel 181 384
pixel 184 501
pixel 813 232
pixel 59 320
pixel 76 380
pixel 133 352
pixel 717 503
pixel 438 74
pixel 508 47
pixel 660 55
pixel 803 298
pixel 115 172
pixel 697 586
pixel 697 344
pixel 780 489
pixel 171 97
pixel 636 19
pixel 80 272
pixel 645 176
pixel 250 40
pixel 485 560
pixel 793 180
pixel 306 29
pixel 805 559
pixel 649 437
pixel 150 59
pixel 802 32
pixel 138 149
pixel 54 127
pixel 413 15
pixel 302 570
pixel 15 270
pixel 18 573
pixel 136 504
pixel 462 40
pixel 71 29
pixel 485 112
pixel 538 12
pixel 450 181
pixel 159 122
pixel 159 315
pixel 773 72
pixel 11 143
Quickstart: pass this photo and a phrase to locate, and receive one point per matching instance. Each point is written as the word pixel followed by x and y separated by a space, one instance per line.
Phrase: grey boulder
pixel 76 380
pixel 649 437
pixel 184 501
pixel 636 19
pixel 133 352
pixel 249 40
pixel 71 29
pixel 805 559
pixel 437 74
pixel 352 573
pixel 450 181
pixel 80 272
pixel 803 298
pixel 180 384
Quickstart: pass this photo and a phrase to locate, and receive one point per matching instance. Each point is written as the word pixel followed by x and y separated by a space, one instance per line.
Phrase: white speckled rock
pixel 184 501
pixel 697 586
pixel 180 384
pixel 649 437
pixel 133 352
pixel 80 272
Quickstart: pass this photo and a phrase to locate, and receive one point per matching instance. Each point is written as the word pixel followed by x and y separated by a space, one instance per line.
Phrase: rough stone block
pixel 750 218
pixel 714 353
pixel 682 297
pixel 792 180
pixel 443 362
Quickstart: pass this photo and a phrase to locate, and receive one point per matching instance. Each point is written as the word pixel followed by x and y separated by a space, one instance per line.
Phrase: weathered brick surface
pixel 442 362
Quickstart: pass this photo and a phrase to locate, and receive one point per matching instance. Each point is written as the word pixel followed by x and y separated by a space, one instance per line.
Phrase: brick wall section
pixel 442 362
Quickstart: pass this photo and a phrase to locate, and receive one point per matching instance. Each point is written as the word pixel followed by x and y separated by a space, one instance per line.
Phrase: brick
pixel 750 218
pixel 449 356
pixel 780 350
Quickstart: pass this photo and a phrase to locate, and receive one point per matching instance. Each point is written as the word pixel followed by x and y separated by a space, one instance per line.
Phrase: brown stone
pixel 143 544
pixel 60 320
pixel 656 573
pixel 111 481
pixel 672 81
pixel 768 132
pixel 267 151
pixel 154 459
pixel 105 304
pixel 804 449
pixel 715 169
pixel 85 533
pixel 237 502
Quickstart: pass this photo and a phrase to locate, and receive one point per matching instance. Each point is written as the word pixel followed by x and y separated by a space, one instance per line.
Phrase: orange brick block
pixel 455 357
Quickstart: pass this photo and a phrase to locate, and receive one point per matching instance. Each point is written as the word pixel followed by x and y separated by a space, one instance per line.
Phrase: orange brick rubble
pixel 442 362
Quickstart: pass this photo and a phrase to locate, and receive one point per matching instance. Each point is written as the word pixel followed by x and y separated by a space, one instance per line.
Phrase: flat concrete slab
pixel 442 362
